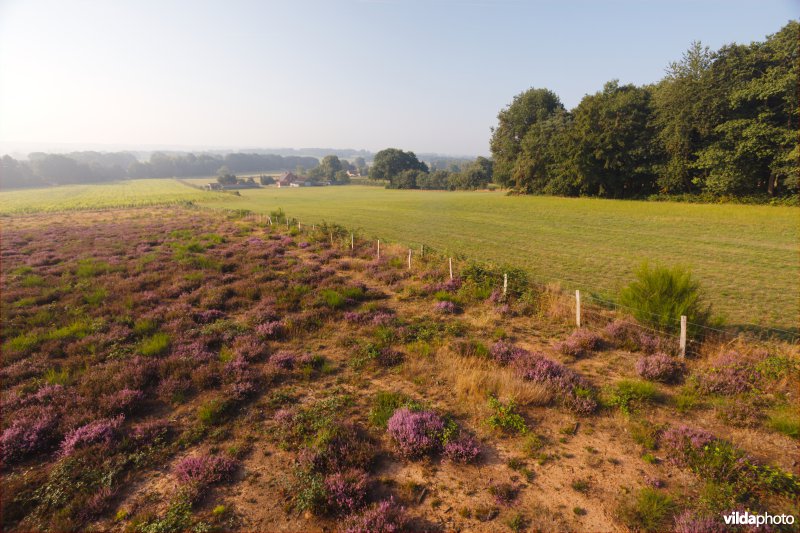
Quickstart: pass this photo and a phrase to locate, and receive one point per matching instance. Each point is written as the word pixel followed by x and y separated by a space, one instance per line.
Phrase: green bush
pixel 660 295
pixel 505 417
pixel 210 413
pixel 651 510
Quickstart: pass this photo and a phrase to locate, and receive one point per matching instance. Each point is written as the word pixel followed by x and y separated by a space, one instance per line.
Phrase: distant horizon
pixel 20 152
pixel 425 76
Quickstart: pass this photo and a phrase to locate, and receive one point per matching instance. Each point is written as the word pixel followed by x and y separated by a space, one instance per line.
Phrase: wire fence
pixel 358 236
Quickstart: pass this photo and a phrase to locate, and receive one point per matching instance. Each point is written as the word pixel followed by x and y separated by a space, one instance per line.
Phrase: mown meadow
pixel 745 256
pixel 171 368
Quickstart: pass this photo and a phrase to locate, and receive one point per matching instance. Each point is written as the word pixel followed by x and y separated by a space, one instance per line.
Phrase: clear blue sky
pixel 429 76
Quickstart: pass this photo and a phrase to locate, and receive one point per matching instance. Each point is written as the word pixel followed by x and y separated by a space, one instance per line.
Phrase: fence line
pixel 576 283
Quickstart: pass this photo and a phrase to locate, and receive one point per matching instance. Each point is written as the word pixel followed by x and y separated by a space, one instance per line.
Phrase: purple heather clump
pixel 347 490
pixel 123 401
pixel 572 390
pixel 649 343
pixel 445 307
pixel 102 431
pixel 209 315
pixel 149 431
pixel 689 522
pixel 272 329
pixel 27 435
pixel 416 433
pixel 355 317
pixel 462 449
pixel 250 348
pixel 203 470
pixel 382 318
pixel 286 241
pixel 283 359
pixel 730 374
pixel 284 416
pixel 303 245
pixel 659 367
pixel 682 442
pixel 505 353
pixel 240 379
pixel 654 482
pixel 384 517
pixel 497 297
pixel 580 344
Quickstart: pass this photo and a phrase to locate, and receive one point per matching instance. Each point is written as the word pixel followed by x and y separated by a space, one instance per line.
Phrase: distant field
pixel 745 256
pixel 133 193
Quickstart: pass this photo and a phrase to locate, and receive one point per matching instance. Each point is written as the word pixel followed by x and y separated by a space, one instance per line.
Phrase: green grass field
pixel 746 257
pixel 133 193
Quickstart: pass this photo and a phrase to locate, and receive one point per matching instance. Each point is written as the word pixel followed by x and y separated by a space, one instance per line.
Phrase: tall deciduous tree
pixel 389 163
pixel 513 123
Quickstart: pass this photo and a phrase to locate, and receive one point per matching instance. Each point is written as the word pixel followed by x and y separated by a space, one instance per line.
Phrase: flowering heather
pixel 504 493
pixel 683 441
pixel 462 449
pixel 284 416
pixel 26 436
pixel 174 389
pixel 250 348
pixel 572 390
pixel 659 367
pixel 689 522
pixel 123 401
pixel 447 308
pixel 272 329
pixel 346 491
pixel 497 297
pixel 302 244
pixel 209 315
pixel 149 431
pixel 505 353
pixel 416 433
pixel 649 343
pixel 580 344
pixel 384 517
pixel 100 431
pixel 283 359
pixel 204 470
pixel 731 374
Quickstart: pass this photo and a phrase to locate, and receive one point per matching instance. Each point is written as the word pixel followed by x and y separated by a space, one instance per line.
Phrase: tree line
pixel 721 122
pixel 43 169
pixel 403 170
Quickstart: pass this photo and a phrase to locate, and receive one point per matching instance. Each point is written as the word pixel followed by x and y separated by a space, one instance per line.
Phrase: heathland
pixel 174 369
pixel 745 257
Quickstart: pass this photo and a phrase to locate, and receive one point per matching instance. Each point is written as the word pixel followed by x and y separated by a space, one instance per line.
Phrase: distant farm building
pixel 289 179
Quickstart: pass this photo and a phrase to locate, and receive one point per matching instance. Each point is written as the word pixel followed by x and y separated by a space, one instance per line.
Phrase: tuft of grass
pixel 628 394
pixel 57 377
pixel 156 344
pixel 32 280
pixel 786 420
pixel 333 299
pixel 211 412
pixel 145 326
pixel 650 510
pixel 581 485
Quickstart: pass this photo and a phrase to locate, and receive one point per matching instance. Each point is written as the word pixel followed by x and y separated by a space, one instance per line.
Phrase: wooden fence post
pixel 578 308
pixel 379 248
pixel 409 258
pixel 270 220
pixel 451 268
pixel 505 284
pixel 683 337
pixel 422 250
pixel 352 241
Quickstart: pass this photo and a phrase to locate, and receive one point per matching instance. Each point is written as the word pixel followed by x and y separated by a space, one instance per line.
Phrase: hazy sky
pixel 429 76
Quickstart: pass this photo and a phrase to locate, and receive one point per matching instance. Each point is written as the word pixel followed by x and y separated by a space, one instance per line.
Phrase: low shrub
pixel 102 431
pixel 504 493
pixel 572 391
pixel 385 516
pixel 447 307
pixel 505 418
pixel 581 343
pixel 462 448
pixel 346 491
pixel 730 374
pixel 659 367
pixel 416 433
pixel 505 352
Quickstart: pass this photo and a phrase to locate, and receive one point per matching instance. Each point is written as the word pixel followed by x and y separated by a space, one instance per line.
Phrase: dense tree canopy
pixel 719 123
pixel 389 163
